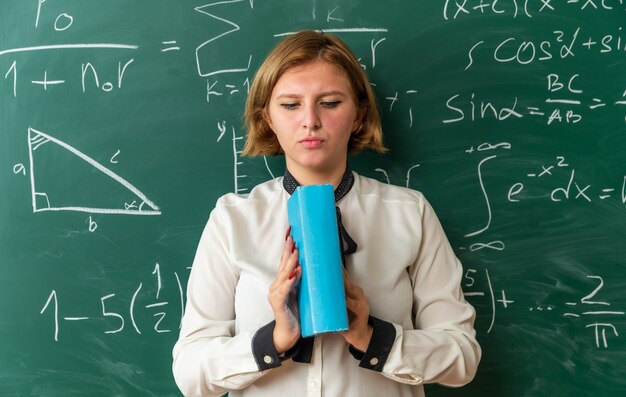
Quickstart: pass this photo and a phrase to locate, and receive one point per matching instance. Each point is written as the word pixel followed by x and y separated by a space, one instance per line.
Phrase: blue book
pixel 321 294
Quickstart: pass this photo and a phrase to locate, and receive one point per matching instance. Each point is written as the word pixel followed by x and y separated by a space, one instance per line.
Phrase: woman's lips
pixel 312 143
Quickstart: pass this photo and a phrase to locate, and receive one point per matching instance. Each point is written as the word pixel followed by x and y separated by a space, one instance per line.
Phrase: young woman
pixel 409 322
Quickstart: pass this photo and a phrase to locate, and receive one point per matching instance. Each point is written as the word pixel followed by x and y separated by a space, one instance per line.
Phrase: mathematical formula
pixel 55 306
pixel 453 10
pixel 564 105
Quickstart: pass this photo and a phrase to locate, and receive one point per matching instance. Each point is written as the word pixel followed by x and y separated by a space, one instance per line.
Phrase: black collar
pixel 290 183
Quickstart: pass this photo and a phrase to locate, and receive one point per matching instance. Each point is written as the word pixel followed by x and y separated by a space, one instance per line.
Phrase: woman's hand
pixel 359 332
pixel 283 298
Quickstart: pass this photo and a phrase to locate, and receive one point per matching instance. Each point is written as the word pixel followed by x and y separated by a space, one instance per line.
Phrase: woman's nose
pixel 310 118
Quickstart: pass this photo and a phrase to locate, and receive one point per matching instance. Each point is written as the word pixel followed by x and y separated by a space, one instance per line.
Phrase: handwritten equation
pixel 560 45
pixel 596 314
pixel 159 308
pixel 456 9
pixel 469 282
pixel 564 104
pixel 573 189
pixel 89 75
pixel 598 317
pixel 596 309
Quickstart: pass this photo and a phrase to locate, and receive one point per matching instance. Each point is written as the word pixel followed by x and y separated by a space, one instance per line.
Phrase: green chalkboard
pixel 120 125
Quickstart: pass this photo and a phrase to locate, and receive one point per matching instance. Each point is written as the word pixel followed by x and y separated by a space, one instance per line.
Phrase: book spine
pixel 321 295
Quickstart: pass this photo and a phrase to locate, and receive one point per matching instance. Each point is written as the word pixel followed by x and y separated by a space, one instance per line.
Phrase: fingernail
pixel 293 272
pixel 288 232
pixel 293 247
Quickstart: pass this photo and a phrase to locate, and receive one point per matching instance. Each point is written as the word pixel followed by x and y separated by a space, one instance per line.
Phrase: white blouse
pixel 404 263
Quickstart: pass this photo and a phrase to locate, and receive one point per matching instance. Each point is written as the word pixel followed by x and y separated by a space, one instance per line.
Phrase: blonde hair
pixel 296 50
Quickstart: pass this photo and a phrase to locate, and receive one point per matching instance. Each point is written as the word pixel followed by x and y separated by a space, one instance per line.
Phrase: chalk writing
pixel 599 328
pixel 408 175
pixel 485 147
pixel 237 162
pixel 469 281
pixel 230 88
pixel 170 46
pixel 117 320
pixel 70 47
pixel 88 72
pixel 559 46
pixel 405 95
pixel 572 189
pixel 455 9
pixel 62 22
pixel 204 47
pixel 42 202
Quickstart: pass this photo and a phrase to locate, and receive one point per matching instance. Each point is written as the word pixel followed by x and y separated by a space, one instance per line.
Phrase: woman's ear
pixel 360 118
pixel 268 120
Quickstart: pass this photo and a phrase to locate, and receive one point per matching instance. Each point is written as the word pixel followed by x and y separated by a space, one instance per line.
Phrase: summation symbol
pixel 233 28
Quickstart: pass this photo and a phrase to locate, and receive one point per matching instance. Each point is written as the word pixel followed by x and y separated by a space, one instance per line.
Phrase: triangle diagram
pixel 64 179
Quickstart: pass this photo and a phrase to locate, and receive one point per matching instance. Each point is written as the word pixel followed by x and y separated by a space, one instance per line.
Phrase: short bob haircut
pixel 296 50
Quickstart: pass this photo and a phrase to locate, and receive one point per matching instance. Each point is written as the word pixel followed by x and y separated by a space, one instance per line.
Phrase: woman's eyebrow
pixel 288 96
pixel 330 93
pixel 323 94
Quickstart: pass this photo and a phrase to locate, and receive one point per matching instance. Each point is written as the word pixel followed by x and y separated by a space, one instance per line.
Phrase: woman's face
pixel 312 111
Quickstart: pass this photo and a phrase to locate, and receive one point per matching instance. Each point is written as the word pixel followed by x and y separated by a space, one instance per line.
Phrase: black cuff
pixel 303 350
pixel 383 336
pixel 356 353
pixel 263 348
pixel 265 353
pixel 292 352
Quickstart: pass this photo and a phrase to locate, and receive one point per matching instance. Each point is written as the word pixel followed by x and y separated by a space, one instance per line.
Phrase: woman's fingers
pixel 282 297
pixel 286 252
pixel 288 233
pixel 359 333
pixel 352 290
pixel 288 275
pixel 288 260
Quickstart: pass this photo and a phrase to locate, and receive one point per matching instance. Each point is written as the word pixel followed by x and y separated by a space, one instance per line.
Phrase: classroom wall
pixel 120 125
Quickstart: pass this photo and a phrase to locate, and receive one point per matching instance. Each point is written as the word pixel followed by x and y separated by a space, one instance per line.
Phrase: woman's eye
pixel 289 106
pixel 330 104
